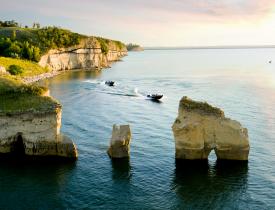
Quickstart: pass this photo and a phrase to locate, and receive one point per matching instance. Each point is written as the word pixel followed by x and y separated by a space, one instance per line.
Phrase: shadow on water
pixel 81 75
pixel 121 169
pixel 33 180
pixel 155 101
pixel 201 185
pixel 24 164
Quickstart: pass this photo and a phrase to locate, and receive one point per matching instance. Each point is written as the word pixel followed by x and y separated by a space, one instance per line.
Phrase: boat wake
pixel 118 89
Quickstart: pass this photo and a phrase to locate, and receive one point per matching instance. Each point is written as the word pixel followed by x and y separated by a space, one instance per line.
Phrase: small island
pixel 134 47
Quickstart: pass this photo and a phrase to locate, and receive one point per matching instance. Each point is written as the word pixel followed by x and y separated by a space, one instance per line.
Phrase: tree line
pixel 16 49
pixel 31 44
pixel 13 23
pixel 41 40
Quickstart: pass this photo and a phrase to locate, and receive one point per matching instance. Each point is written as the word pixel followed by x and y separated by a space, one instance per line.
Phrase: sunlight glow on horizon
pixel 155 22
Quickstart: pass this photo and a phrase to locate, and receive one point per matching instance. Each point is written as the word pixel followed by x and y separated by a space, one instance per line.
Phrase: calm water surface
pixel 241 82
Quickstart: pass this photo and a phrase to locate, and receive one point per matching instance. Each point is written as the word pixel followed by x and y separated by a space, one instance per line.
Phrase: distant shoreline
pixel 210 47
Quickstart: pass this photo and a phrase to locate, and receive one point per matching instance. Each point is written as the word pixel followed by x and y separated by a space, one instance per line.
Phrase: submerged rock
pixel 120 141
pixel 200 127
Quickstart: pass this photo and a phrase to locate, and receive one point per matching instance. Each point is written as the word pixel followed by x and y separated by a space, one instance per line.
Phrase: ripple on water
pixel 151 178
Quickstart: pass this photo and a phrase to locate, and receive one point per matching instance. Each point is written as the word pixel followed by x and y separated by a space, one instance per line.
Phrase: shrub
pixel 15 70
pixel 103 45
pixel 119 44
pixel 54 37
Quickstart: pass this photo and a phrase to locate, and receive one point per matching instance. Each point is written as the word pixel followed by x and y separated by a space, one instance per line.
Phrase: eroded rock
pixel 86 55
pixel 2 70
pixel 120 141
pixel 200 127
pixel 35 134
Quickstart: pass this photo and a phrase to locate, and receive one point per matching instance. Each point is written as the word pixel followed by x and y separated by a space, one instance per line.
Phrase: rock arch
pixel 200 128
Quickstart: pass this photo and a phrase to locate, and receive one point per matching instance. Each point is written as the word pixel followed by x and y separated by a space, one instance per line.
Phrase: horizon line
pixel 208 47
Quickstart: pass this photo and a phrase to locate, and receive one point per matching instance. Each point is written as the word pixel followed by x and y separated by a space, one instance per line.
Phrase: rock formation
pixel 35 133
pixel 200 127
pixel 30 122
pixel 86 55
pixel 120 141
pixel 2 70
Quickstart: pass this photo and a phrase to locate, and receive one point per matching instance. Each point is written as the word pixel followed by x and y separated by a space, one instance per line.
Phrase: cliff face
pixel 87 55
pixel 35 134
pixel 30 122
pixel 199 128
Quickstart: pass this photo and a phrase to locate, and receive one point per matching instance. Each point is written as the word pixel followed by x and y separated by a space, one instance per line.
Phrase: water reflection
pixel 82 75
pixel 71 75
pixel 121 169
pixel 201 185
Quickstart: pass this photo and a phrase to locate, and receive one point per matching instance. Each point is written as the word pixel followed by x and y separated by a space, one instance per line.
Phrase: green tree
pixel 15 70
pixel 13 35
pixel 36 54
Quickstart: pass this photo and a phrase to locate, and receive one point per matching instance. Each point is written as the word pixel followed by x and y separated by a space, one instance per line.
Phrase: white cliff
pixel 87 55
pixel 199 128
pixel 39 134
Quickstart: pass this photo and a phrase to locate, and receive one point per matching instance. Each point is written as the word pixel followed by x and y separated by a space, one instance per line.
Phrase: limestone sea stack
pixel 35 134
pixel 200 127
pixel 120 141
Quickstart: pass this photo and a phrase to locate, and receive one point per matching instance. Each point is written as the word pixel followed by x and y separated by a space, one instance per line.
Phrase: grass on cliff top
pixel 17 97
pixel 29 68
pixel 202 107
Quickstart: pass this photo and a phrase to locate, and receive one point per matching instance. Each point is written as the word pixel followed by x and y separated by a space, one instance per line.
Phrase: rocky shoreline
pixel 86 55
pixel 36 78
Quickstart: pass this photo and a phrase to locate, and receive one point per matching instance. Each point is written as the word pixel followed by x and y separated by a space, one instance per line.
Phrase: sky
pixel 154 22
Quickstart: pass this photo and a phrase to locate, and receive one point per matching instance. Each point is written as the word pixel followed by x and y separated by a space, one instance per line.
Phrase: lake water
pixel 240 81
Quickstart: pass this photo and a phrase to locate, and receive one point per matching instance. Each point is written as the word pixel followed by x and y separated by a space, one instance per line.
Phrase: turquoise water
pixel 240 81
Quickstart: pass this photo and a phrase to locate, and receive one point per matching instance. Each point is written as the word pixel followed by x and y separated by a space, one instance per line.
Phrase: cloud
pixel 147 21
pixel 147 12
pixel 220 7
